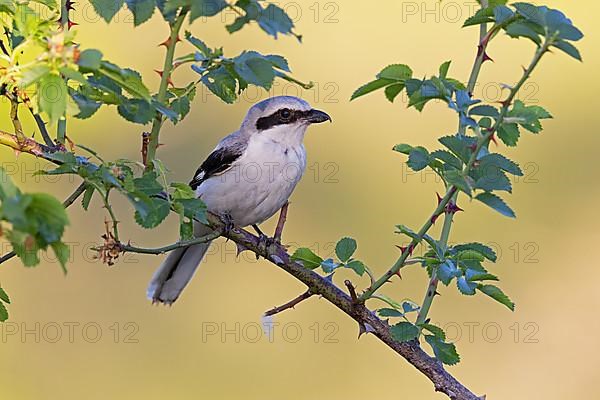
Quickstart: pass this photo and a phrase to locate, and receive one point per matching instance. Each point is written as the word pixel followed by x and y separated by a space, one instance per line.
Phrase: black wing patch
pixel 218 161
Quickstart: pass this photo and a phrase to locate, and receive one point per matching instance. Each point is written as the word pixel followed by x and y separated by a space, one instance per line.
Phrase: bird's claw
pixel 227 223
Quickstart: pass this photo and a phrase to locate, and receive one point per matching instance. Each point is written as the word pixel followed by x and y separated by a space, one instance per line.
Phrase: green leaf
pixel 156 214
pixel 418 159
pixel 445 352
pixel 444 69
pixel 87 107
pixel 485 110
pixel 404 331
pixel 345 248
pixel 90 60
pixel 142 10
pixel 371 87
pixel 255 69
pixel 495 293
pixel 509 134
pixel 482 249
pixel 107 8
pixel 392 91
pixel 52 96
pixel 3 296
pixel 403 148
pixel 222 84
pixel 62 252
pixel 500 161
pixel 435 330
pixel 447 271
pixel 466 287
pixel 127 79
pixel 569 49
pixel 87 197
pixel 460 146
pixel 309 259
pixel 3 313
pixel 396 72
pixel 496 203
pixel 206 8
pixel 136 110
pixel 357 266
pixel 33 74
pixel 274 20
pixel 194 209
pixel 25 247
pixel 456 178
pixel 389 312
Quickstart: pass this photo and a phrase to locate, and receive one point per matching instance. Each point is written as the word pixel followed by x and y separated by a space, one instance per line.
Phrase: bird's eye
pixel 285 114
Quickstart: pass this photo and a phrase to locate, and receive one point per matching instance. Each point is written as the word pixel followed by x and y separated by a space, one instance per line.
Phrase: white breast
pixel 260 181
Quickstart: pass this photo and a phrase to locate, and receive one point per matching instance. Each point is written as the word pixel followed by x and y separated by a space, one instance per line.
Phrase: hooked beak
pixel 316 117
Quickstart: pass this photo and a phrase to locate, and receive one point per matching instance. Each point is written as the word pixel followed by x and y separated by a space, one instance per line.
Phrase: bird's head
pixel 282 115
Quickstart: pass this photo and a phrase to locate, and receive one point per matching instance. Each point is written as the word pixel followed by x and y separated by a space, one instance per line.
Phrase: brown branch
pixel 25 145
pixel 290 304
pixel 318 285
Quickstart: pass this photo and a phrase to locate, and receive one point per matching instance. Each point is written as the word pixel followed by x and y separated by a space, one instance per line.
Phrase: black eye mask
pixel 284 116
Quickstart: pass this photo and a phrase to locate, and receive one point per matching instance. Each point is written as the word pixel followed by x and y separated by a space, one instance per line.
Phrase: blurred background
pixel 92 334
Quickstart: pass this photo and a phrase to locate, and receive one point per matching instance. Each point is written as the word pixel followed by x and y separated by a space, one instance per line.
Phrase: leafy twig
pixel 67 203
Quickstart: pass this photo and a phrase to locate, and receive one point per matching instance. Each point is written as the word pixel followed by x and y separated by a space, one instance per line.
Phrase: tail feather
pixel 177 270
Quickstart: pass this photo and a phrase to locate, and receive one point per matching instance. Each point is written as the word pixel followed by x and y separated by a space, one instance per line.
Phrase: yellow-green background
pixel 557 205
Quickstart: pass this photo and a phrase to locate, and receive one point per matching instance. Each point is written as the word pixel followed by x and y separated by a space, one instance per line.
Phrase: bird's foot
pixel 227 223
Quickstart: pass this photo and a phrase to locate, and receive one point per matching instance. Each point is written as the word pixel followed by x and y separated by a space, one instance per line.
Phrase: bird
pixel 248 177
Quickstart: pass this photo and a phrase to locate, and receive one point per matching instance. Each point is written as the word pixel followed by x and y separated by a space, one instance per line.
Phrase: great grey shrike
pixel 248 177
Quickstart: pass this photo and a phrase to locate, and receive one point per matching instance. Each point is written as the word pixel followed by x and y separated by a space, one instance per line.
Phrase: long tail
pixel 177 270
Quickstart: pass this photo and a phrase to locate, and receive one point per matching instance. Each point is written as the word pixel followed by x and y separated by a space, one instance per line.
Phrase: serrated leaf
pixel 107 9
pixel 404 331
pixel 482 249
pixel 155 215
pixel 447 271
pixel 465 287
pixel 142 10
pixel 509 134
pixel 396 72
pixel 357 266
pixel 500 161
pixel 392 91
pixel 444 352
pixel 496 203
pixel 435 330
pixel 371 87
pixel 345 248
pixel 485 110
pixel 136 110
pixel 495 293
pixel 222 84
pixel 309 259
pixel 418 159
